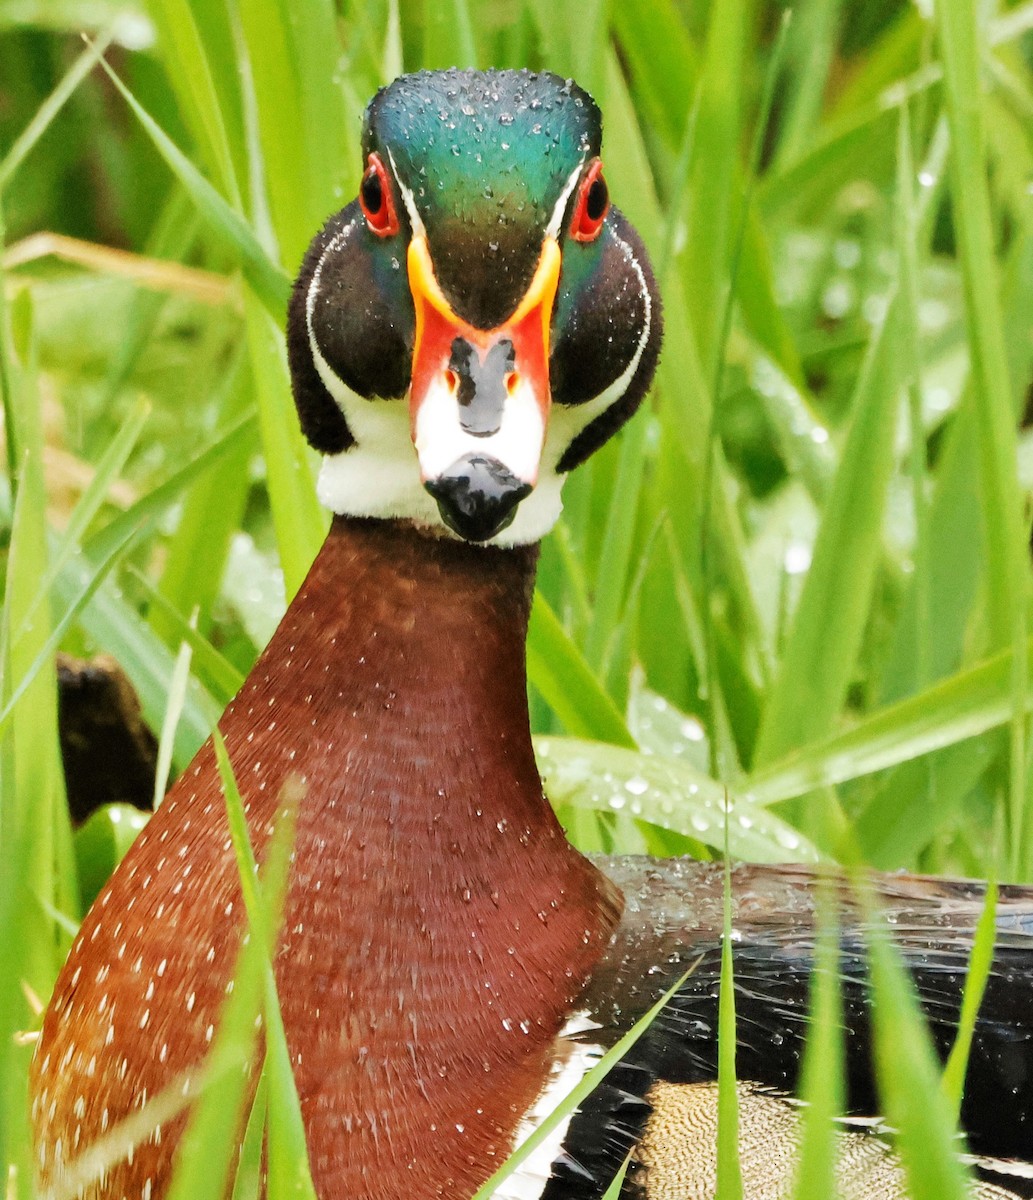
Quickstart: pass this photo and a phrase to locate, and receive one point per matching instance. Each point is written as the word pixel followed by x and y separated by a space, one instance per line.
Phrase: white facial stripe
pixel 335 243
pixel 441 439
pixel 415 220
pixel 556 220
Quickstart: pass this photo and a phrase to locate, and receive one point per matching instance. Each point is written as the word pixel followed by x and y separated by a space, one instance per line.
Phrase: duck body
pixel 436 931
pixel 440 936
pixel 448 965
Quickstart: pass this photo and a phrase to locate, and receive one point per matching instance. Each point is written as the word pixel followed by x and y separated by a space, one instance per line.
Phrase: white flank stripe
pixel 572 1062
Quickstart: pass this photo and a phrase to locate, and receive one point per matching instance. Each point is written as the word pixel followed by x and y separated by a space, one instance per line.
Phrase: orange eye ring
pixel 376 198
pixel 593 203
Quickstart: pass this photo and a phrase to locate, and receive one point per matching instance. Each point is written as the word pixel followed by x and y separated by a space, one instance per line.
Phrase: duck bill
pixel 479 398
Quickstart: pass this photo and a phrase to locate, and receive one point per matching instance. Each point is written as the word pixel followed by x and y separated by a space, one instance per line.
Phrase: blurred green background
pixel 800 579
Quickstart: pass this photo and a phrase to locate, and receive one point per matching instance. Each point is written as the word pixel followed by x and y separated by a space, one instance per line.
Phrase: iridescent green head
pixel 486 156
pixel 482 275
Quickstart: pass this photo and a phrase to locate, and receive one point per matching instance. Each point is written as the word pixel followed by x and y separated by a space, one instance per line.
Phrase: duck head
pixel 480 319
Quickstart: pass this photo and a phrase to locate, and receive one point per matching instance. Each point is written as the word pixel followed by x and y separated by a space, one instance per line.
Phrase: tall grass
pixel 801 577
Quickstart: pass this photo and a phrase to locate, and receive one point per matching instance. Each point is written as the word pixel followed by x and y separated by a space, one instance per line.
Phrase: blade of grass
pixel 724 751
pixel 193 67
pixel 822 1086
pixel 909 1079
pixel 626 159
pixel 161 1109
pixel 976 978
pixel 729 1172
pixel 34 817
pixel 163 495
pixel 577 1094
pixel 173 711
pixel 209 1144
pixel 115 624
pixel 288 1154
pixel 299 520
pixel 89 504
pixel 811 46
pixel 665 792
pixel 556 668
pixel 715 165
pixel 45 652
pixel 615 1190
pixel 247 1184
pixel 825 635
pixel 1007 574
pixel 448 34
pixel 268 280
pixel 221 677
pixel 962 706
pixel 300 149
pixel 212 511
pixel 48 110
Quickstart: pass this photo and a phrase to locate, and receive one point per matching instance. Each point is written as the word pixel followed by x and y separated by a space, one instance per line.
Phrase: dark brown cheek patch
pixel 362 322
pixel 601 337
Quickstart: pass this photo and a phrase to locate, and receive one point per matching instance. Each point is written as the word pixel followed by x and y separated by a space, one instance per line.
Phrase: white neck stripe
pixel 408 199
pixel 556 220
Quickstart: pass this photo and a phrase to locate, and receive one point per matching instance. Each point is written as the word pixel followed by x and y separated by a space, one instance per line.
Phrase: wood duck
pixel 463 334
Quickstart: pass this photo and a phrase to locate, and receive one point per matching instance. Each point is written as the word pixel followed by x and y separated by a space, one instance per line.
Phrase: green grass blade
pixel 909 1079
pixel 613 1192
pixel 89 504
pixel 191 48
pixel 976 979
pixel 288 1155
pixel 299 521
pixel 448 34
pixel 729 1172
pixel 220 676
pixel 667 793
pixel 206 1151
pixel 48 110
pixel 714 169
pixel 556 668
pixel 173 711
pixel 113 623
pixel 34 818
pixel 213 510
pixel 963 706
pixel 577 1094
pixel 301 150
pixel 1007 570
pixel 822 1086
pixel 268 280
pixel 826 631
pixel 170 490
pixel 45 653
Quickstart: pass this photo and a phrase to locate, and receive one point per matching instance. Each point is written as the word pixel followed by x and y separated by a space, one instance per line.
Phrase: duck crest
pixel 432 892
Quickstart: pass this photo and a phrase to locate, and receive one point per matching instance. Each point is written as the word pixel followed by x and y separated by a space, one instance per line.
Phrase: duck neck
pixel 401 667
pixel 434 899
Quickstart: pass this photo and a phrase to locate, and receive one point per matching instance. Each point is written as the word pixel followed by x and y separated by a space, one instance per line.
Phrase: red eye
pixel 375 199
pixel 593 203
